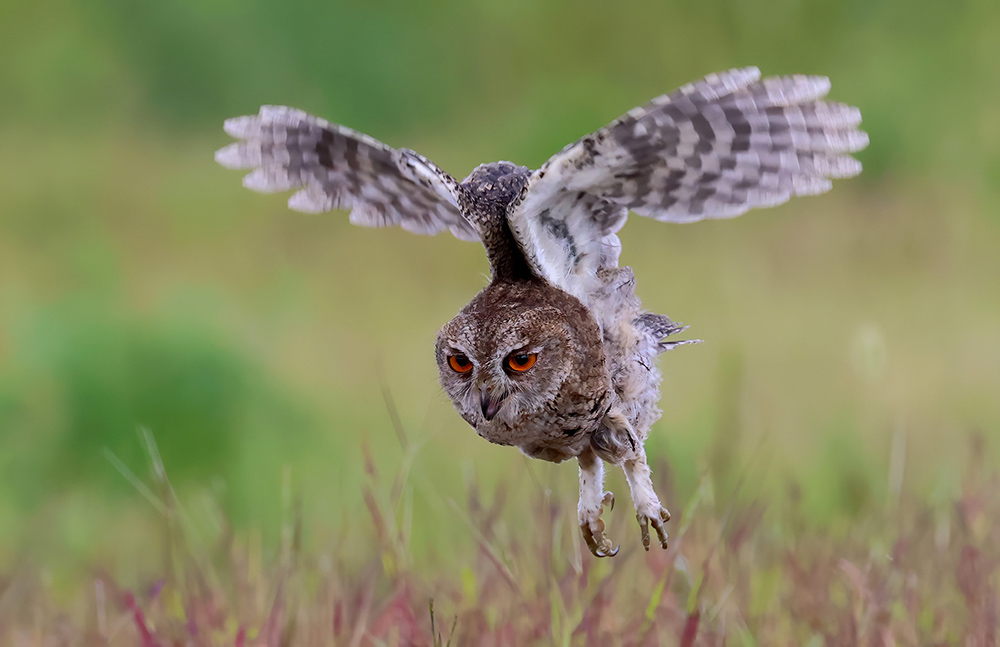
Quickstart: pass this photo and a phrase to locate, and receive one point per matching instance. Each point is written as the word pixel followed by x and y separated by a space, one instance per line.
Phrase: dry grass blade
pixel 751 584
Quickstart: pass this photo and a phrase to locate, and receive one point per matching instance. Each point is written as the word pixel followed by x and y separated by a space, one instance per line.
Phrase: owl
pixel 556 355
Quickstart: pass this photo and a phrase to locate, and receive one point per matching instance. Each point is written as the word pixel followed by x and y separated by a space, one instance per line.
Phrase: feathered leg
pixel 616 443
pixel 593 498
pixel 648 509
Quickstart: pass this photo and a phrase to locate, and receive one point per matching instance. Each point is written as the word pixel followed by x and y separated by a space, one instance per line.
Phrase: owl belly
pixel 630 349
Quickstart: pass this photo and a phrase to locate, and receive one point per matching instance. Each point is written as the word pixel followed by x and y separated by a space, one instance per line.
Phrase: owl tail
pixel 659 327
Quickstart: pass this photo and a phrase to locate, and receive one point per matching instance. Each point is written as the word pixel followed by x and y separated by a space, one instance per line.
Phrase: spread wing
pixel 338 168
pixel 712 149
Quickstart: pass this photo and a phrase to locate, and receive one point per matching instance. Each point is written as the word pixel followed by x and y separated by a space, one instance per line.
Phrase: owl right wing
pixel 711 149
pixel 339 168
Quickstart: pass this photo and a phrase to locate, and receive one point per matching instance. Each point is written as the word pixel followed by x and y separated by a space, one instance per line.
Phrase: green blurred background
pixel 141 286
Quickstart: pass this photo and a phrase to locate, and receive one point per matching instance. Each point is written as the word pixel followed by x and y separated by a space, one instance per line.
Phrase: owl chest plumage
pixel 558 429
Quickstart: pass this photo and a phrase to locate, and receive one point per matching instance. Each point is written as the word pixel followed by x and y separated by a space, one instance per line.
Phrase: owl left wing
pixel 338 168
pixel 711 149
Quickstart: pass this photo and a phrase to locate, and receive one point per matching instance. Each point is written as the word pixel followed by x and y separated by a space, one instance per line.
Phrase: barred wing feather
pixel 338 168
pixel 711 149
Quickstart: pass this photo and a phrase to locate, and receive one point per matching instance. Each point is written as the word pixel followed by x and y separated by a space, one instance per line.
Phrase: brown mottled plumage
pixel 556 356
pixel 550 410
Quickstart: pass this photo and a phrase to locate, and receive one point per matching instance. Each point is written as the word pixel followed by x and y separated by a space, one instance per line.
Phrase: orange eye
pixel 459 363
pixel 521 362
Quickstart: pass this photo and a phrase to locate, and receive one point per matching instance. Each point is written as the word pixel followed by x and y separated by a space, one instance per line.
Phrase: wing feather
pixel 335 167
pixel 711 149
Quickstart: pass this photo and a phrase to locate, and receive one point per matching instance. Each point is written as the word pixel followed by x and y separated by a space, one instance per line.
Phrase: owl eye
pixel 459 363
pixel 521 362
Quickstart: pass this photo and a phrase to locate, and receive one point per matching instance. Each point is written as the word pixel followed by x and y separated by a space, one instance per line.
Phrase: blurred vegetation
pixel 907 572
pixel 853 339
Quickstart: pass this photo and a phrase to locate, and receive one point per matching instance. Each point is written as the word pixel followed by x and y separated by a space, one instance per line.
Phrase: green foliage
pixel 85 376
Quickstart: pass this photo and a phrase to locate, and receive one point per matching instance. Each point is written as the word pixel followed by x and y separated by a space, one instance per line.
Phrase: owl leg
pixel 617 443
pixel 593 498
pixel 648 510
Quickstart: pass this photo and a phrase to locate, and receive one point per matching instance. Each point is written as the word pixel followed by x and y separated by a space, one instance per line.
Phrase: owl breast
pixel 560 429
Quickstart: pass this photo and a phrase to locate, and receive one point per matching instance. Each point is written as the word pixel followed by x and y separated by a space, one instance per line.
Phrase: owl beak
pixel 491 404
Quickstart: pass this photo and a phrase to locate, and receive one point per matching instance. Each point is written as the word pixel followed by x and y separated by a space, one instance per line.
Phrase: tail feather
pixel 659 327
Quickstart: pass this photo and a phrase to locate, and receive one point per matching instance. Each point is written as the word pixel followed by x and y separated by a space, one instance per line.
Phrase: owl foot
pixel 660 518
pixel 593 530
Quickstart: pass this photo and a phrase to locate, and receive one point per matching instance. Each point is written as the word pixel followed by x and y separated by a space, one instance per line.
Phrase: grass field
pixel 900 572
pixel 830 454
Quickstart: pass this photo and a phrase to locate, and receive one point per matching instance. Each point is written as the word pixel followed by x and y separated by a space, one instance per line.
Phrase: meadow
pixel 220 421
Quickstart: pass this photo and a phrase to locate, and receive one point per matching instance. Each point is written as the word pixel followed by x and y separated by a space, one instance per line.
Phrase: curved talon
pixel 644 529
pixel 598 544
pixel 593 531
pixel 658 522
pixel 661 532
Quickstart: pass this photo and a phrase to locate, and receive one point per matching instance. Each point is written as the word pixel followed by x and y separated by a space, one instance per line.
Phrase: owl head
pixel 512 350
pixel 490 188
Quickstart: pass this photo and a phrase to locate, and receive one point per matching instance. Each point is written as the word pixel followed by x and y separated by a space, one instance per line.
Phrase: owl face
pixel 499 369
pixel 524 365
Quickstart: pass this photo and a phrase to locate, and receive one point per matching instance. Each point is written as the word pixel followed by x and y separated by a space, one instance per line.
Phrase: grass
pixel 907 571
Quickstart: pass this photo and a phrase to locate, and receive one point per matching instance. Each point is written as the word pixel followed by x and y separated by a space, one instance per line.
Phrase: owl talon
pixel 597 542
pixel 662 517
pixel 593 530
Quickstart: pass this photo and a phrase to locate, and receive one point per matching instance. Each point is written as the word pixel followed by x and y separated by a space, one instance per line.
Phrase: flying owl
pixel 556 355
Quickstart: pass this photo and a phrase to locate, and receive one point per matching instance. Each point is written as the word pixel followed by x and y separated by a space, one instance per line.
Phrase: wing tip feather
pixel 271 179
pixel 241 127
pixel 308 200
pixel 233 156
